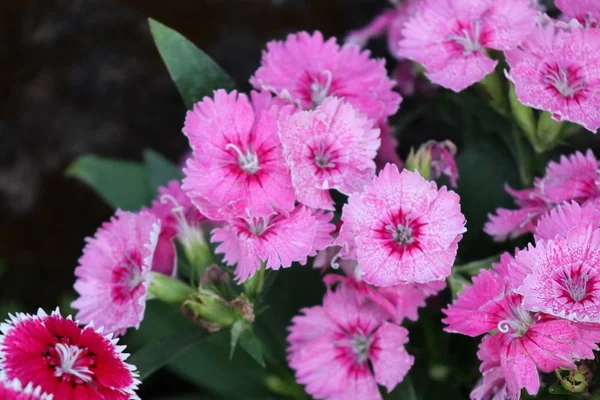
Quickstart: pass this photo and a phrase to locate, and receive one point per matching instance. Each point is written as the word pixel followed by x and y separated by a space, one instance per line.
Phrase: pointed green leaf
pixel 160 170
pixel 122 184
pixel 157 354
pixel 242 333
pixel 195 74
pixel 473 268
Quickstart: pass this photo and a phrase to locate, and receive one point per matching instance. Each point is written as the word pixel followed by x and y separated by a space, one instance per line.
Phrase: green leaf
pixel 472 268
pixel 404 391
pixel 122 184
pixel 456 283
pixel 159 353
pixel 195 74
pixel 241 332
pixel 206 363
pixel 160 170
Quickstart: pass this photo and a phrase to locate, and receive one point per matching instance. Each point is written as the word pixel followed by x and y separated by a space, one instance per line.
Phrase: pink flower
pixel 323 233
pixel 527 342
pixel 560 221
pixel 306 69
pixel 65 360
pixel 277 240
pixel 449 37
pixel 587 12
pixel 178 218
pixel 12 389
pixel 402 229
pixel 237 162
pixel 113 272
pixel 559 73
pixel 492 385
pixel 436 159
pixel 332 147
pixel 342 349
pixel 573 178
pixel 565 276
pixel 408 298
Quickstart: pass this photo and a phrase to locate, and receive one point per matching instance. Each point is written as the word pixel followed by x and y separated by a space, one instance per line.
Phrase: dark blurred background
pixel 83 76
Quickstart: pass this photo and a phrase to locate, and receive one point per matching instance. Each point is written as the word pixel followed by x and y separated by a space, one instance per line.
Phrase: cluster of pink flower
pixel 574 178
pixel 539 309
pixel 552 63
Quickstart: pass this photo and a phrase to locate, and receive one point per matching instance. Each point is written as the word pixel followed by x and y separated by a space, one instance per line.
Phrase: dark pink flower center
pixel 468 37
pixel 70 363
pixel 576 285
pixel 324 155
pixel 247 160
pixel 355 348
pixel 519 321
pixel 320 87
pixel 127 277
pixel 401 232
pixel 567 81
pixel 588 20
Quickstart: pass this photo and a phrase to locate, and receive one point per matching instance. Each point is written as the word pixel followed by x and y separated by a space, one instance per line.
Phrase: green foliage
pixel 159 170
pixel 194 73
pixel 122 184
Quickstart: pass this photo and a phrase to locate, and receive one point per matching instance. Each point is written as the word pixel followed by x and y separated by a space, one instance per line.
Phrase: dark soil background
pixel 83 76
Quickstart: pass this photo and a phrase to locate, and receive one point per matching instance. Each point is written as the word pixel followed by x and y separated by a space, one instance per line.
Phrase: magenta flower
pixel 565 276
pixel 561 220
pixel 344 348
pixel 492 385
pixel 332 147
pixel 113 272
pixel 586 12
pixel 573 178
pixel 402 229
pixel 13 389
pixel 306 69
pixel 450 37
pixel 276 241
pixel 64 360
pixel 527 342
pixel 559 72
pixel 237 162
pixel 179 218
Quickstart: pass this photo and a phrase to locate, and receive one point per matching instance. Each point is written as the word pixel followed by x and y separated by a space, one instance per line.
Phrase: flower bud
pixel 434 160
pixel 214 313
pixel 169 290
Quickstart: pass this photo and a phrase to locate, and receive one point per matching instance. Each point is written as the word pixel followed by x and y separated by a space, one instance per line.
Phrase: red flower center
pixel 70 364
pixel 400 232
pixel 468 37
pixel 576 285
pixel 127 277
pixel 566 81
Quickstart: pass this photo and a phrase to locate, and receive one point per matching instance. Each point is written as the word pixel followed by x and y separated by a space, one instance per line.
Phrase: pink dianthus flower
pixel 65 360
pixel 402 229
pixel 492 385
pixel 277 240
pixel 559 71
pixel 237 162
pixel 573 178
pixel 527 342
pixel 586 12
pixel 450 37
pixel 306 69
pixel 344 348
pixel 113 272
pixel 561 220
pixel 332 147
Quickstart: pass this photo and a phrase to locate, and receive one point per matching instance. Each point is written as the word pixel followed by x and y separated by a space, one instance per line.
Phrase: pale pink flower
pixel 560 221
pixel 237 162
pixel 402 229
pixel 13 389
pixel 528 342
pixel 492 385
pixel 332 147
pixel 179 218
pixel 306 69
pixel 388 151
pixel 565 276
pixel 559 72
pixel 113 272
pixel 65 360
pixel 450 37
pixel 276 241
pixel 344 348
pixel 573 178
pixel 586 12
